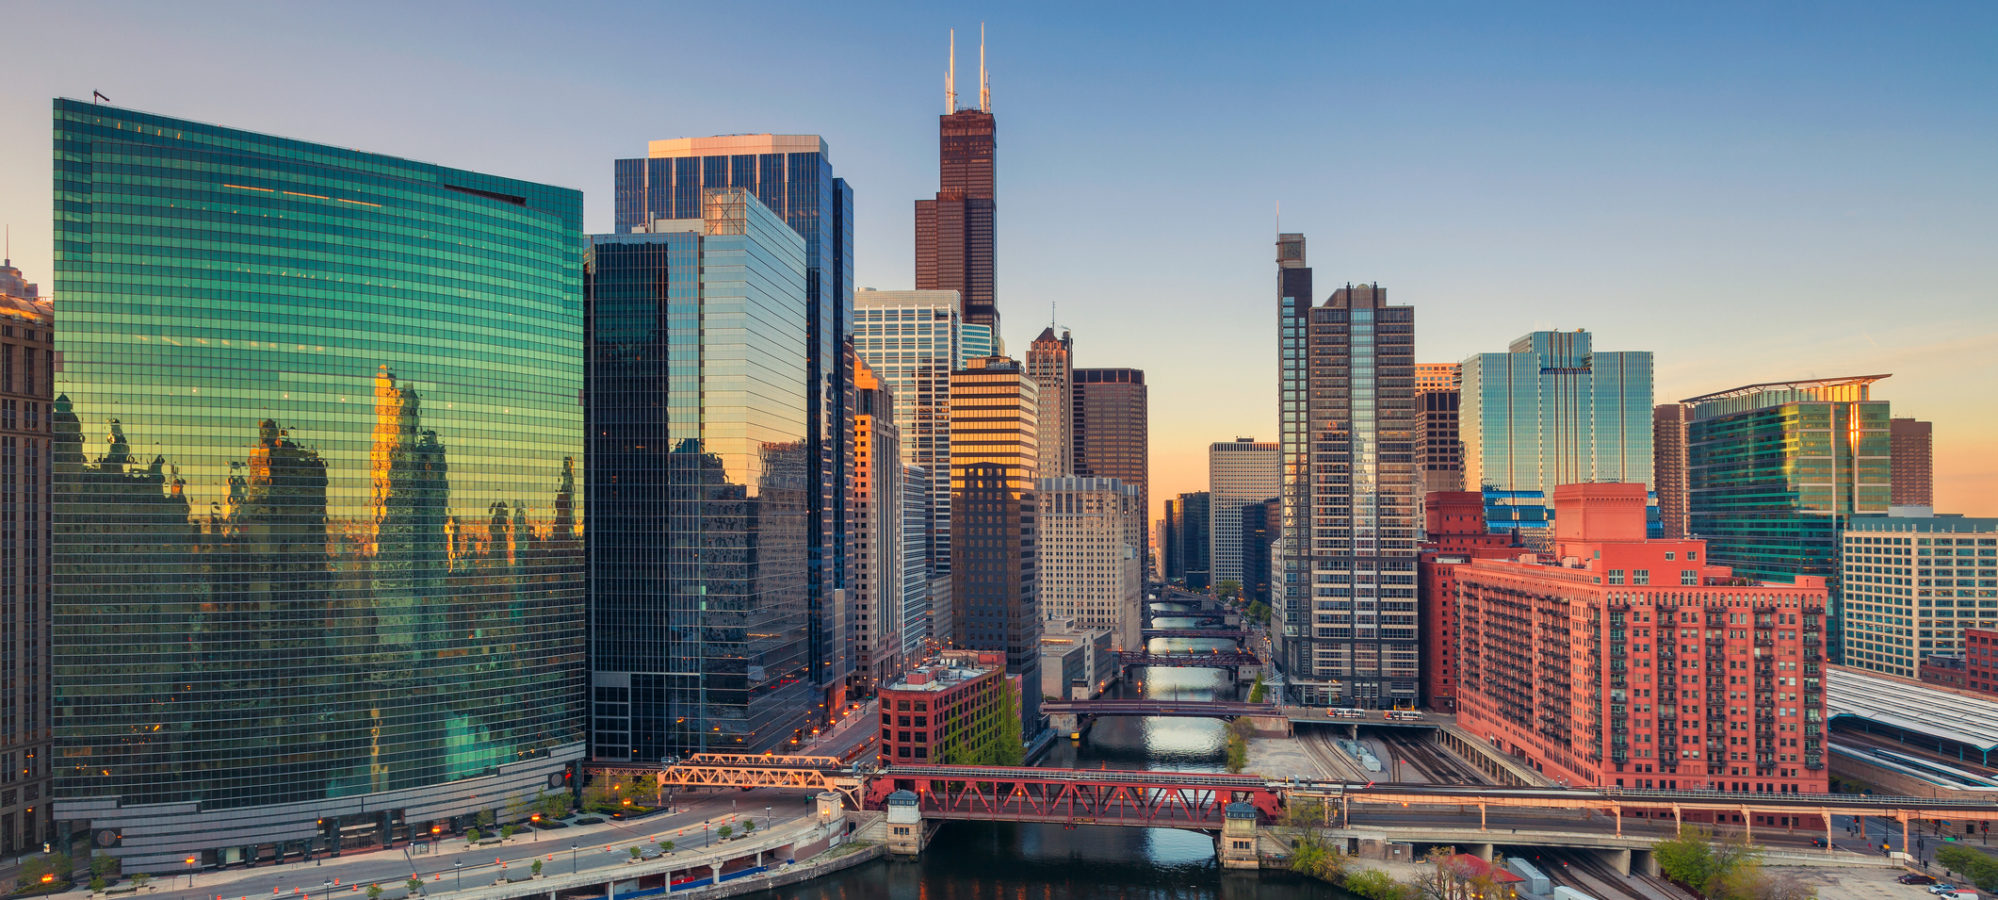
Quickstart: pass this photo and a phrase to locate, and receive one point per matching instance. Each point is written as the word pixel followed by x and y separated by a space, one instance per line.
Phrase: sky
pixel 1754 192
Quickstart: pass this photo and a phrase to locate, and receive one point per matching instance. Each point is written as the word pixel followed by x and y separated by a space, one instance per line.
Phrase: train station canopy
pixel 1912 706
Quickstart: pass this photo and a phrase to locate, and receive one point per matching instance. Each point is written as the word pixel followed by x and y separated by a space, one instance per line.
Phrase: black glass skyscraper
pixel 792 175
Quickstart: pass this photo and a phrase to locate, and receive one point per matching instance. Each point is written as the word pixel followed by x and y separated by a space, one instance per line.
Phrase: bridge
pixel 1217 659
pixel 1222 634
pixel 1185 709
pixel 1194 800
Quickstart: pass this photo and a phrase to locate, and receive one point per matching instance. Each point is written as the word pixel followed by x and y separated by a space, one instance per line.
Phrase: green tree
pixel 1228 589
pixel 535 868
pixel 103 865
pixel 725 830
pixel 472 834
pixel 1257 690
pixel 554 806
pixel 1238 744
pixel 140 879
pixel 1976 867
pixel 374 892
pixel 748 826
pixel 415 886
pixel 507 831
pixel 96 884
pixel 1725 870
pixel 1375 884
pixel 665 846
pixel 635 854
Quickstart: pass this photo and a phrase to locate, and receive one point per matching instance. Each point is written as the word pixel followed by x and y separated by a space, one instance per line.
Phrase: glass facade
pixel 316 452
pixel 792 176
pixel 1550 411
pixel 698 554
pixel 995 518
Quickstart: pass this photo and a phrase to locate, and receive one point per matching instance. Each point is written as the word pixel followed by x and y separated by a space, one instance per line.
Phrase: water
pixel 1003 861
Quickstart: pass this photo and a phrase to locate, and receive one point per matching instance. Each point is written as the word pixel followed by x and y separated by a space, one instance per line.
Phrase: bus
pixel 1403 715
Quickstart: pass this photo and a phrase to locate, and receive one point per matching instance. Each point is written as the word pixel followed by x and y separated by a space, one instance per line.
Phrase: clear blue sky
pixel 1760 193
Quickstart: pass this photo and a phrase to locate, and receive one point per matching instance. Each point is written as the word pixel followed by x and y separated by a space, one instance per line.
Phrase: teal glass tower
pixel 316 456
pixel 1552 410
pixel 1776 472
pixel 698 553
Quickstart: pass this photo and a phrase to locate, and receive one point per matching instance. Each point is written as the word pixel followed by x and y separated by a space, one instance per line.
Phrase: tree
pixel 554 806
pixel 485 818
pixel 748 826
pixel 535 869
pixel 725 830
pixel 1238 744
pixel 1257 690
pixel 665 846
pixel 507 831
pixel 1976 867
pixel 97 884
pixel 103 865
pixel 1228 589
pixel 472 834
pixel 1375 884
pixel 415 886
pixel 1305 813
pixel 140 879
pixel 1727 870
pixel 1688 858
pixel 635 854
pixel 374 892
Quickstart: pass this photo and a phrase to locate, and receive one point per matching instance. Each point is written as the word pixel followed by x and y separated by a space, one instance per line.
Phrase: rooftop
pixel 1912 706
pixel 1935 525
pixel 1807 385
pixel 731 144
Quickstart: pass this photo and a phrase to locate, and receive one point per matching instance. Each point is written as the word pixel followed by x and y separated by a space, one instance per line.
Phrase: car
pixel 1941 888
pixel 1917 878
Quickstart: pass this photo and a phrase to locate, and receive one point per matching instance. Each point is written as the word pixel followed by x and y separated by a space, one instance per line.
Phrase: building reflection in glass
pixel 699 483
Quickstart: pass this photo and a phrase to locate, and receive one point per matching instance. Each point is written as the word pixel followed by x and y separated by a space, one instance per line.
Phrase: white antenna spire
pixel 950 77
pixel 984 81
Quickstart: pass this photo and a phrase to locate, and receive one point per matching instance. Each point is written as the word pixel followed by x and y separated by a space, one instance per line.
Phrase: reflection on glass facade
pixel 315 457
pixel 698 482
pixel 995 519
pixel 1776 472
pixel 1550 411
pixel 792 176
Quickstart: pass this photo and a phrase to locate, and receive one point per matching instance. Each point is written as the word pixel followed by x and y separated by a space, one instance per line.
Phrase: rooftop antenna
pixel 950 77
pixel 97 97
pixel 984 82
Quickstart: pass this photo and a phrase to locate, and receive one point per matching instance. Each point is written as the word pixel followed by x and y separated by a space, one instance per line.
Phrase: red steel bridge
pixel 1223 634
pixel 1194 800
pixel 1215 659
pixel 1185 709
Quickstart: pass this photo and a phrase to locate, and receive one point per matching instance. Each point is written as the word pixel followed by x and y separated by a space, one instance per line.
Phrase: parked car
pixel 1917 878
pixel 1941 888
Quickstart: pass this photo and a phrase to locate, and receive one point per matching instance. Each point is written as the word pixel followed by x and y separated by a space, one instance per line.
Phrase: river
pixel 977 861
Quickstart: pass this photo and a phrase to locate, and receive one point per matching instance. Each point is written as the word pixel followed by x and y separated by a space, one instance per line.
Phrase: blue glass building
pixel 791 175
pixel 317 545
pixel 1552 410
pixel 698 479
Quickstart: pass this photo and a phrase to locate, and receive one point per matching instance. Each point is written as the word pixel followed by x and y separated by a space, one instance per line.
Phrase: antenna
pixel 984 82
pixel 950 77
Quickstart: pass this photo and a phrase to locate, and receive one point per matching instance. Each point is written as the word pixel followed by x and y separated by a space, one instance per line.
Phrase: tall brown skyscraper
pixel 1668 463
pixel 955 231
pixel 26 350
pixel 1051 363
pixel 1109 427
pixel 994 464
pixel 1913 442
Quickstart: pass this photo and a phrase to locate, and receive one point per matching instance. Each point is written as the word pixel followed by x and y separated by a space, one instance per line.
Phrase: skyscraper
pixel 792 176
pixel 1776 472
pixel 1089 570
pixel 913 340
pixel 1889 626
pixel 1438 376
pixel 1552 410
pixel 1261 523
pixel 1239 472
pixel 1439 453
pixel 1914 462
pixel 918 623
pixel 27 355
pixel 1110 432
pixel 1190 541
pixel 956 230
pixel 1051 361
pixel 1668 465
pixel 318 563
pixel 1345 625
pixel 1290 595
pixel 876 586
pixel 697 549
pixel 994 518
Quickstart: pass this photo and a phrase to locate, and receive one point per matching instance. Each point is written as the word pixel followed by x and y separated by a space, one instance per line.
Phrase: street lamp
pixel 459 867
pixel 190 871
pixel 572 859
pixel 329 889
pixel 534 822
pixel 766 818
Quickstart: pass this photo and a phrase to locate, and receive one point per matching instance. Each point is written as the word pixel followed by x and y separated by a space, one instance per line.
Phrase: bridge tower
pixel 906 832
pixel 1236 848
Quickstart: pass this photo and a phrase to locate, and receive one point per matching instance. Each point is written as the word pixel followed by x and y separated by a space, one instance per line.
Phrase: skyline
pixel 1643 176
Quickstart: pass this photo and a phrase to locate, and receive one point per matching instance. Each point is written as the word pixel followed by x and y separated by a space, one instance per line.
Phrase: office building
pixel 1624 662
pixel 1350 639
pixel 956 230
pixel 1051 362
pixel 1454 533
pixel 1980 660
pixel 1261 523
pixel 1438 376
pixel 1913 453
pixel 792 176
pixel 1552 410
pixel 1912 586
pixel 1289 581
pixel 1239 472
pixel 995 517
pixel 918 623
pixel 698 552
pixel 1110 430
pixel 1077 662
pixel 948 711
pixel 1668 465
pixel 913 340
pixel 27 358
pixel 1089 570
pixel 318 568
pixel 875 589
pixel 976 341
pixel 1439 454
pixel 1187 543
pixel 1776 472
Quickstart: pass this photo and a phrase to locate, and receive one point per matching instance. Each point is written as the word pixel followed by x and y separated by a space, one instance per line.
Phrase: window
pixel 1689 577
pixel 1640 576
pixel 1616 576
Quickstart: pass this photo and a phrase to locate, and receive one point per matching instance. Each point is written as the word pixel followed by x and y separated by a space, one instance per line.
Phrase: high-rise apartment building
pixel 1110 432
pixel 1438 376
pixel 1051 362
pixel 1626 662
pixel 994 458
pixel 1454 533
pixel 913 340
pixel 698 552
pixel 1187 542
pixel 1289 590
pixel 1552 410
pixel 1913 445
pixel 1350 639
pixel 318 561
pixel 956 230
pixel 1239 472
pixel 1089 570
pixel 875 587
pixel 1261 523
pixel 1913 585
pixel 1776 472
pixel 792 176
pixel 1668 465
pixel 27 358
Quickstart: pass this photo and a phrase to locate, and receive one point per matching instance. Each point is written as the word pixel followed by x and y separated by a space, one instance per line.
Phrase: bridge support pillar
pixel 1066 723
pixel 1618 860
pixel 1236 848
pixel 1482 851
pixel 1643 863
pixel 906 833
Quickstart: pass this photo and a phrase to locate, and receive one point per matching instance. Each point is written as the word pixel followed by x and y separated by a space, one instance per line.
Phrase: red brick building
pixel 1625 662
pixel 946 710
pixel 1454 523
pixel 1976 669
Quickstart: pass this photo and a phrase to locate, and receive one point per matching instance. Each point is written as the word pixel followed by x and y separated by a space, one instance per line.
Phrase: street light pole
pixel 572 859
pixel 459 867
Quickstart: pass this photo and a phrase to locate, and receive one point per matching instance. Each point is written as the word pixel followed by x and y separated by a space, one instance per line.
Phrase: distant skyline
pixel 1758 194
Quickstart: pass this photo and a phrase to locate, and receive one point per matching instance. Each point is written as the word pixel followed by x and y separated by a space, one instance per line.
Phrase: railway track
pixel 1585 872
pixel 1430 762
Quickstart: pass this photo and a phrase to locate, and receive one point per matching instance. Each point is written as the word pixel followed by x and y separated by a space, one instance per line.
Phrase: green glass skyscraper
pixel 317 554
